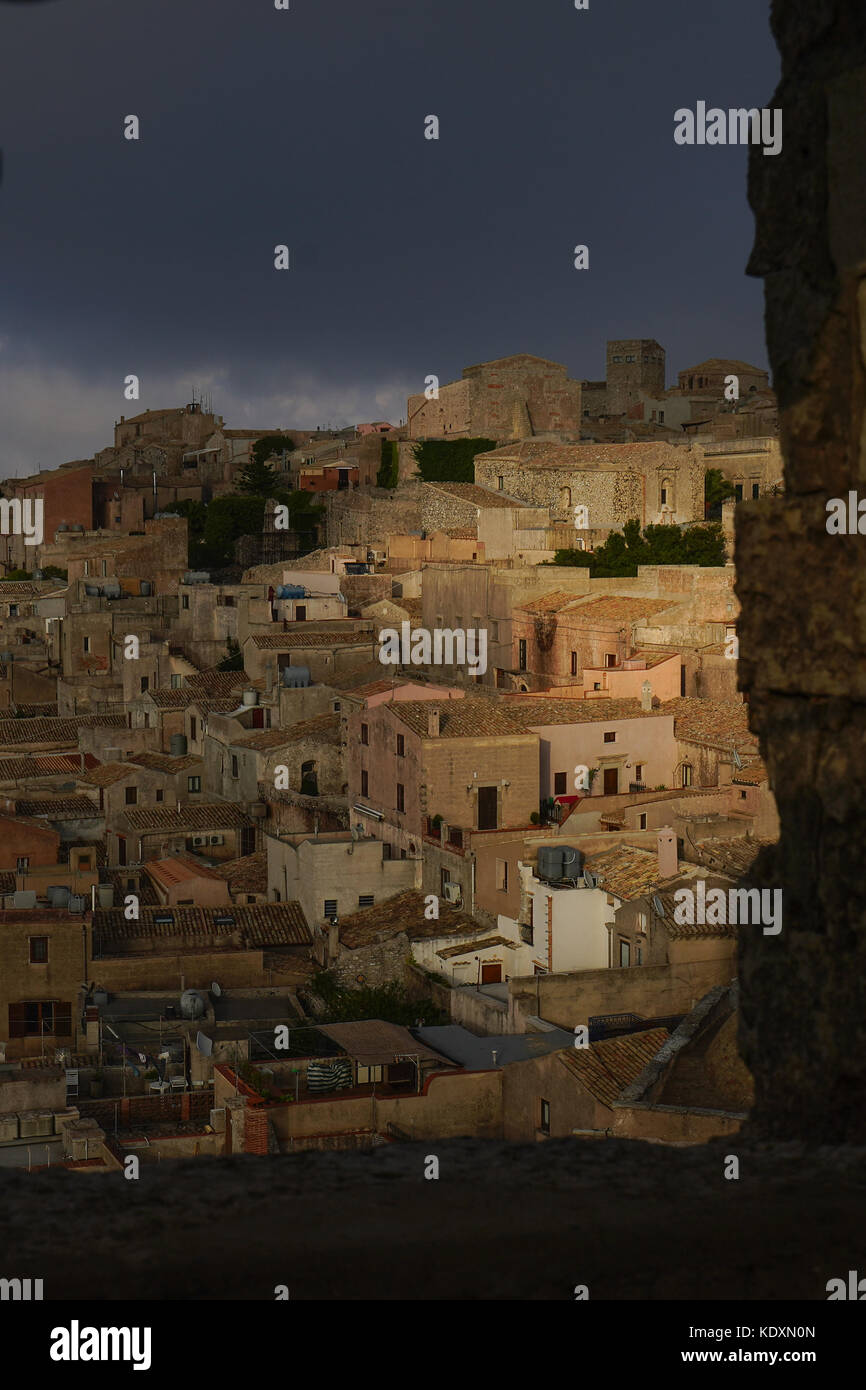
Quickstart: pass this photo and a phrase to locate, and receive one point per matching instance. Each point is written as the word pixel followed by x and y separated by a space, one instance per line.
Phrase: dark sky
pixel 409 256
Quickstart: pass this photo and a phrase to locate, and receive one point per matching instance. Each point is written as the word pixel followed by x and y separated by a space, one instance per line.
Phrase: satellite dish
pixel 215 989
pixel 738 762
pixel 658 906
pixel 204 1044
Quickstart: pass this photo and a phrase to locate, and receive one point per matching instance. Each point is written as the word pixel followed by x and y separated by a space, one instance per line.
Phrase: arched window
pixel 686 775
pixel 309 779
pixel 564 498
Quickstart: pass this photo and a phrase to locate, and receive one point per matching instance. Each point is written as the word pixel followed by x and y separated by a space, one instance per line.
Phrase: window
pixel 574 663
pixel 609 659
pixel 84 861
pixel 193 784
pixel 488 818
pixel 610 736
pixel 401 797
pixel 131 796
pixel 624 952
pixel 309 778
pixel 641 821
pixel 104 568
pixel 502 875
pixel 45 1017
pixel 664 495
pixel 521 654
pixel 365 783
pixel 366 900
pixel 144 682
pixel 641 922
pixel 738 491
pixel 330 908
pixel 300 613
pixel 687 775
pixel 86 566
pixel 500 483
pixel 336 706
pixel 544 1118
pixel 756 490
pixel 235 772
pixel 13 610
pixel 160 794
pixel 176 682
pixel 742 796
pixel 560 783
pixel 192 729
pixel 38 950
pixel 86 645
pixel 630 359
pixel 365 735
pixel 401 746
pixel 638 772
pixel 184 601
pixel 638 955
pixel 22 864
pixel 596 685
pixel 367 1075
pixel 617 359
pixel 661 417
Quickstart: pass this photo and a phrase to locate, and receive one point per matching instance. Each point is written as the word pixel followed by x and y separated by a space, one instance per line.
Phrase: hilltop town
pixel 351 778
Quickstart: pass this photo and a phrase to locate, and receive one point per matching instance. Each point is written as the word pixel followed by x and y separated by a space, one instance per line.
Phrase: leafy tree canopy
pixel 450 460
pixel 623 551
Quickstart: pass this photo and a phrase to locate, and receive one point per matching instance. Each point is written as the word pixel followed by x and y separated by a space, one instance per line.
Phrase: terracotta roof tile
pixel 164 762
pixel 220 815
pixel 606 1067
pixel 249 874
pixel 178 869
pixel 402 913
pixel 62 731
pixel 325 727
pixel 61 808
pixel 625 872
pixel 478 496
pixel 306 641
pixel 266 924
pixel 711 722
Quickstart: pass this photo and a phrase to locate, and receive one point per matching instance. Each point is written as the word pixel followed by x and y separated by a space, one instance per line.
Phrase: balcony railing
pixel 637 786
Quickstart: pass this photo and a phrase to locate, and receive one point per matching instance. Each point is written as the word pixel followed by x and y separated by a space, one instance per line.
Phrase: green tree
pixel 450 460
pixel 257 479
pixel 717 490
pixel 623 551
pixel 389 468
pixel 271 444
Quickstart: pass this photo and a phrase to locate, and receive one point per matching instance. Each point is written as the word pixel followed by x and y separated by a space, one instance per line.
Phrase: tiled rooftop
pixel 66 765
pixel 304 641
pixel 219 815
pixel 62 731
pixel 606 1067
pixel 249 874
pixel 267 924
pixel 625 872
pixel 478 496
pixel 164 762
pixel 61 808
pixel 177 869
pixel 403 913
pixel 711 722
pixel 324 727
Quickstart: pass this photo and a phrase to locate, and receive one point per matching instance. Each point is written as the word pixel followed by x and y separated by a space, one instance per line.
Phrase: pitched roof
pixel 402 913
pixel 711 722
pixel 178 869
pixel 45 765
pixel 606 1067
pixel 265 924
pixel 304 641
pixel 61 808
pixel 478 496
pixel 249 874
pixel 107 774
pixel 460 718
pixel 734 856
pixel 625 872
pixel 667 891
pixel 219 815
pixel 164 762
pixel 325 727
pixel 62 731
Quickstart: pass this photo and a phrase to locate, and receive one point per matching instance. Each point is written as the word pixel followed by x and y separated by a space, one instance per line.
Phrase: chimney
pixel 432 723
pixel 646 696
pixel 667 843
pixel 333 941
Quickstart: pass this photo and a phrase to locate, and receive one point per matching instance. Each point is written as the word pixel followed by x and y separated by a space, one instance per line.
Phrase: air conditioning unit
pixel 452 892
pixel 217 839
pixel 199 839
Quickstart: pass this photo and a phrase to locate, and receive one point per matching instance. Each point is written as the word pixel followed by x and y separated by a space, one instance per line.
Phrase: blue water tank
pixel 291 591
pixel 295 677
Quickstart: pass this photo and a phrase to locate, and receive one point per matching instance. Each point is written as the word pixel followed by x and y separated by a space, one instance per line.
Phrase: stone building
pixel 635 367
pixel 654 482
pixel 509 398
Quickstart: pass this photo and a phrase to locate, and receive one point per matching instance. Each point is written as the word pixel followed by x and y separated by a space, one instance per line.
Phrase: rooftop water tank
pixel 24 898
pixel 196 577
pixel 105 895
pixel 145 588
pixel 572 862
pixel 111 588
pixel 177 745
pixel 291 591
pixel 76 903
pixel 76 526
pixel 295 676
pixel 251 697
pixel 58 895
pixel 192 1004
pixel 550 862
pixel 91 590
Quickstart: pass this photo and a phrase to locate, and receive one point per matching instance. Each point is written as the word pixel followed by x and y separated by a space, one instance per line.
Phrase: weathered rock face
pixel 803 590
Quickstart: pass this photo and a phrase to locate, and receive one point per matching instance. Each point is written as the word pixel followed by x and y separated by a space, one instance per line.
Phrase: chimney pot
pixel 432 723
pixel 667 852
